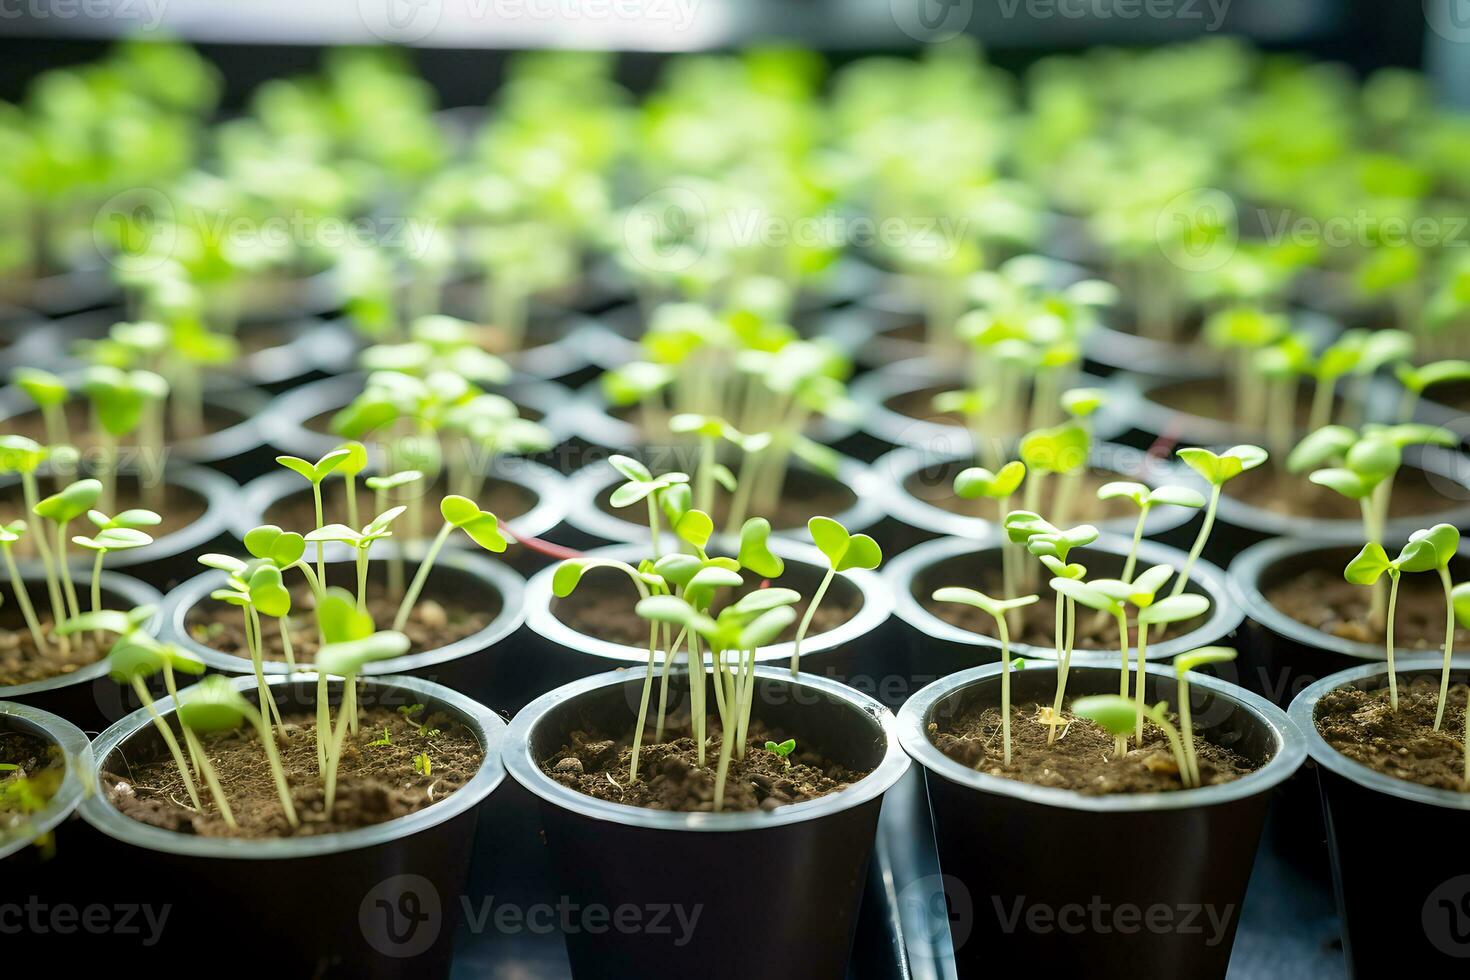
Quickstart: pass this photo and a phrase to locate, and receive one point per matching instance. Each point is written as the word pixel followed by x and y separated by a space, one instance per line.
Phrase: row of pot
pixel 1161 895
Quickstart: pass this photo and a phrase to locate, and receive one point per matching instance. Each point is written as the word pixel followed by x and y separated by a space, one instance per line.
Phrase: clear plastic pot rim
pixel 512 588
pixel 135 592
pixel 77 751
pixel 547 485
pixel 584 486
pixel 525 769
pixel 1303 712
pixel 876 608
pixel 489 729
pixel 1225 613
pixel 1290 749
pixel 895 467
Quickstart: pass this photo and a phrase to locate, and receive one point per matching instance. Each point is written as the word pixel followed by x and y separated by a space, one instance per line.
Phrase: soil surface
pixel 1402 744
pixel 1211 398
pixel 297 511
pixel 602 606
pixel 802 495
pixel 1082 757
pixel 935 485
pixel 179 509
pixel 375 782
pixel 919 404
pixel 670 777
pixel 1038 621
pixel 41 764
pixel 436 622
pixel 1324 600
pixel 32 425
pixel 22 663
pixel 1271 489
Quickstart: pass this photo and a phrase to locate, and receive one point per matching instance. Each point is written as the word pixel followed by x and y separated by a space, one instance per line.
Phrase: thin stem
pixel 1120 743
pixel 1393 680
pixel 211 780
pixel 643 702
pixel 806 620
pixel 1449 645
pixel 321 548
pixel 286 648
pixel 67 585
pixel 1127 575
pixel 23 597
pixel 168 738
pixel 1064 659
pixel 1199 541
pixel 352 502
pixel 1138 679
pixel 43 550
pixel 1186 722
pixel 420 577
pixel 362 570
pixel 283 790
pixel 1005 686
pixel 653 529
pixel 670 650
pixel 97 590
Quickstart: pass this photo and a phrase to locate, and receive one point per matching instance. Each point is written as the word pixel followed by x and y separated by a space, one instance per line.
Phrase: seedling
pixel 120 533
pixel 1418 380
pixel 1370 565
pixel 976 482
pixel 346 653
pixel 480 526
pixel 213 705
pixel 1216 471
pixel 1145 499
pixel 315 473
pixel 61 509
pixel 1444 542
pixel 137 656
pixel 642 485
pixel 997 608
pixel 783 750
pixel 1116 715
pixel 1183 664
pixel 843 552
pixel 422 764
pixel 9 534
pixel 361 542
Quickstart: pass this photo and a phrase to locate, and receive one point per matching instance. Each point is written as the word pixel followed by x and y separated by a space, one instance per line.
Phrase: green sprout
pixel 1183 664
pixel 349 468
pixel 1368 568
pixel 643 485
pixel 998 609
pixel 1444 542
pixel 120 533
pixel 315 473
pixel 1461 596
pixel 480 526
pixel 1116 715
pixel 843 552
pixel 213 705
pixel 361 542
pixel 422 764
pixel 1145 499
pixel 50 394
pixel 1417 380
pixel 137 656
pixel 61 509
pixel 9 534
pixel 345 654
pixel 975 482
pixel 783 750
pixel 1217 470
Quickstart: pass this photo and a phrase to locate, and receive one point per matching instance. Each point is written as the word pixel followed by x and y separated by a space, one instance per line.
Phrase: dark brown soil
pixel 1082 757
pixel 803 494
pixel 919 404
pixel 181 507
pixel 1038 621
pixel 436 622
pixel 1324 600
pixel 602 606
pixel 1403 744
pixel 375 783
pixel 32 425
pixel 297 512
pixel 1274 490
pixel 935 485
pixel 1211 398
pixel 670 778
pixel 22 663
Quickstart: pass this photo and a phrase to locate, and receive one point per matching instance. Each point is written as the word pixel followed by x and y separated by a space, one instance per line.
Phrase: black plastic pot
pixel 543 488
pixel 236 449
pixel 376 902
pixel 1399 916
pixel 1240 523
pixel 912 481
pixel 87 697
pixel 589 525
pixel 171 557
pixel 295 421
pixel 1115 886
pixel 558 345
pixel 886 427
pixel 743 894
pixel 1111 349
pixel 28 338
pixel 859 653
pixel 482 665
pixel 63 293
pixel 937 648
pixel 16 856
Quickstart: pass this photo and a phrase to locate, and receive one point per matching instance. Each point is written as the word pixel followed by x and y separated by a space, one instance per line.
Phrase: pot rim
pixel 1436 461
pixel 1123 350
pixel 1290 751
pixel 1244 584
pixel 1225 613
pixel 135 591
pixel 548 486
pixel 184 597
pixel 876 608
pixel 1303 713
pixel 583 487
pixel 894 467
pixel 901 377
pixel 76 750
pixel 488 727
pixel 212 487
pixel 524 769
pixel 283 423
